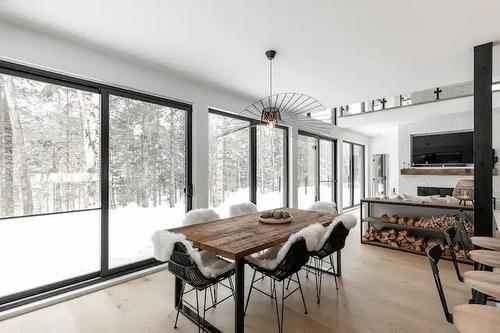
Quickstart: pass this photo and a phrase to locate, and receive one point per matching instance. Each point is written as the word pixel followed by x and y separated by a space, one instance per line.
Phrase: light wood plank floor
pixel 380 291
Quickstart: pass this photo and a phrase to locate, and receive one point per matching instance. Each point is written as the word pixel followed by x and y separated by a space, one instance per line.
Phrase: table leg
pixel 239 315
pixel 339 263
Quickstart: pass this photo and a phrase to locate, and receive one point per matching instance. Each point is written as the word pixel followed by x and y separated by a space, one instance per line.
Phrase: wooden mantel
pixel 441 171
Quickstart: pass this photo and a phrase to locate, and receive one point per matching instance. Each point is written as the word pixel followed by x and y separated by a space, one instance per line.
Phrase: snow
pixel 270 200
pixel 56 247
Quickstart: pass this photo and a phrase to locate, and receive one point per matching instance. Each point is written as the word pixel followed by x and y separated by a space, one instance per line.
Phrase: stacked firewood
pixel 406 240
pixel 433 222
pixel 399 239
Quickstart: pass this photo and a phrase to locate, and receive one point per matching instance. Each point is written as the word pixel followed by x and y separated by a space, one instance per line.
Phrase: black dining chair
pixel 333 244
pixel 288 266
pixel 449 237
pixel 184 267
pixel 460 312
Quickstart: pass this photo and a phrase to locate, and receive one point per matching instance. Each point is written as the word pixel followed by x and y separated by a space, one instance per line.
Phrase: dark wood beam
pixel 483 157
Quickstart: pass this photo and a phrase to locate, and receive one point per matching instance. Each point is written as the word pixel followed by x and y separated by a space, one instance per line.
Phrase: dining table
pixel 237 237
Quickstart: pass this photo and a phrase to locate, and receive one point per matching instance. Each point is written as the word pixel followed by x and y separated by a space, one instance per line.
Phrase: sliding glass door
pixel 147 174
pixel 49 183
pixel 87 173
pixel 316 176
pixel 353 178
pixel 228 162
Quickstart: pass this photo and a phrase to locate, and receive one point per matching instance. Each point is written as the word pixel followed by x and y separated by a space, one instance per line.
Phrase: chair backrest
pixel 325 207
pixel 293 261
pixel 335 241
pixel 183 266
pixel 200 215
pixel 449 236
pixel 463 237
pixel 434 254
pixel 243 208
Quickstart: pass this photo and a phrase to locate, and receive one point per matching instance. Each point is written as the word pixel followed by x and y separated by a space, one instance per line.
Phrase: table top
pixel 417 203
pixel 239 236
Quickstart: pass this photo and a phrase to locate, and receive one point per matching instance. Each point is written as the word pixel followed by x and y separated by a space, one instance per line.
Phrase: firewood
pixel 410 239
pixel 393 219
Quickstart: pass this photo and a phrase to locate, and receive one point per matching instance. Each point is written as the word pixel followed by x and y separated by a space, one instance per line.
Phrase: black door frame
pixel 104 90
pixel 317 184
pixel 351 171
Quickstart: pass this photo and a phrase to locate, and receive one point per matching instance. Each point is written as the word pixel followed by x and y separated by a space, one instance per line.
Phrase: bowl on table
pixel 275 217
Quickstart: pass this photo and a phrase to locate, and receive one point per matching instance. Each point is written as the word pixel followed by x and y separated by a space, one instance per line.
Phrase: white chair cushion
pixel 324 207
pixel 201 215
pixel 348 220
pixel 244 208
pixel 270 258
pixel 209 264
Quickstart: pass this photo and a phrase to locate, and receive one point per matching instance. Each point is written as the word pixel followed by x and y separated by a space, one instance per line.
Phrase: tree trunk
pixel 6 161
pixel 19 147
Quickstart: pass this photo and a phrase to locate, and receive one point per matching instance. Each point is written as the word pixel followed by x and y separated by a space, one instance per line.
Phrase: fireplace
pixel 427 191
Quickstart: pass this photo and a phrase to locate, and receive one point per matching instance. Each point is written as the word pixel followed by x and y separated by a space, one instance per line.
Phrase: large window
pixel 147 175
pixel 247 162
pixel 315 170
pixel 271 167
pixel 353 187
pixel 49 165
pixel 229 162
pixel 87 173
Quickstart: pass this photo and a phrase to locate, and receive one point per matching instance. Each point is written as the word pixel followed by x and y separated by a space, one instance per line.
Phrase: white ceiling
pixel 334 50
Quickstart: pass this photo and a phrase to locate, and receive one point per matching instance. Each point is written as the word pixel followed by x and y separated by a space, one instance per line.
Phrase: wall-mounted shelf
pixel 441 171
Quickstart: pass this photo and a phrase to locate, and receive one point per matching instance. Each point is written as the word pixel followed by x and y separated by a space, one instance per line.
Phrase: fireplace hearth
pixel 427 191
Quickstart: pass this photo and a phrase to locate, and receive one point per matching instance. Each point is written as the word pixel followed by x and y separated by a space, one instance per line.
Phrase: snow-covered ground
pixel 35 251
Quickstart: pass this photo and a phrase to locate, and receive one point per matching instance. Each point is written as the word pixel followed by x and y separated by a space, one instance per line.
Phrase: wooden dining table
pixel 237 237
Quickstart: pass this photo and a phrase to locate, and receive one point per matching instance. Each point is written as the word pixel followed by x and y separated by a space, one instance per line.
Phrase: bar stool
pixel 486 283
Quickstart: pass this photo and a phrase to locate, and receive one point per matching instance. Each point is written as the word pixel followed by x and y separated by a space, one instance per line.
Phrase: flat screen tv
pixel 448 149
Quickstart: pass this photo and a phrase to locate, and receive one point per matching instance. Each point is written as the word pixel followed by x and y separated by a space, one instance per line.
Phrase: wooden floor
pixel 380 291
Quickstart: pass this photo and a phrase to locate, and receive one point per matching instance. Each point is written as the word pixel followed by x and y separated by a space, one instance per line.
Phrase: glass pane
pixel 346 175
pixel 270 167
pixel 147 175
pixel 229 162
pixel 306 171
pixel 49 163
pixel 326 176
pixel 358 173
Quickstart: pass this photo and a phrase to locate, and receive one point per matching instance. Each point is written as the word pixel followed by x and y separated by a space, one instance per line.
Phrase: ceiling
pixel 337 51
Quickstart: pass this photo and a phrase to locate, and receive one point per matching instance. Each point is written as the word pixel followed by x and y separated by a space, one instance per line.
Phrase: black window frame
pixel 104 90
pixel 253 154
pixel 317 184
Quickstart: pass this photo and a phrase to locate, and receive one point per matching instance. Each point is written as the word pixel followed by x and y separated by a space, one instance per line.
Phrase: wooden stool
pixel 473 318
pixel 486 257
pixel 487 283
pixel 489 243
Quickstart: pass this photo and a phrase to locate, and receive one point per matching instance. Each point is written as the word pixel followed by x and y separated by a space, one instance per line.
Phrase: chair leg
pixel 334 273
pixel 179 305
pixel 198 311
pixel 216 290
pixel 288 284
pixel 282 306
pixel 232 287
pixel 204 308
pixel 273 282
pixel 250 291
pixel 301 293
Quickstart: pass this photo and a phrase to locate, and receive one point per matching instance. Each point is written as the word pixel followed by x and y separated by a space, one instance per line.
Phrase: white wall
pixel 30 47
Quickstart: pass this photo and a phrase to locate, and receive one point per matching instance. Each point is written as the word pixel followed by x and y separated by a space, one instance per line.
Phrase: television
pixel 447 149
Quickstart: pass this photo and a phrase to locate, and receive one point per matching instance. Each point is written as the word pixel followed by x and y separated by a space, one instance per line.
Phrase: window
pixel 306 171
pixel 49 165
pixel 271 167
pixel 353 187
pixel 87 173
pixel 315 170
pixel 229 162
pixel 233 166
pixel 147 175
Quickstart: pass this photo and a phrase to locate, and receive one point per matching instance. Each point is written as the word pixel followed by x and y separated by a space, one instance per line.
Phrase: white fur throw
pixel 209 264
pixel 348 220
pixel 244 208
pixel 324 207
pixel 201 215
pixel 270 258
